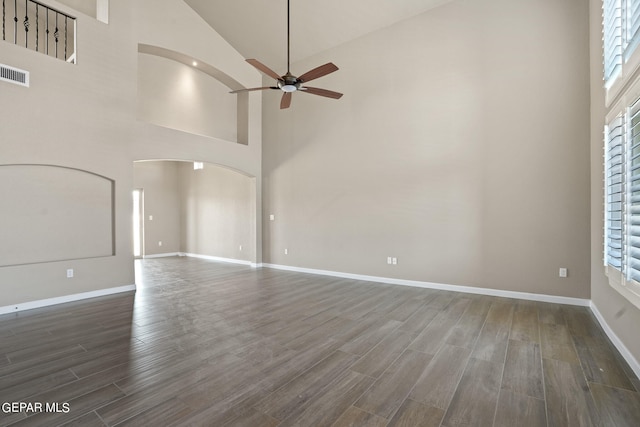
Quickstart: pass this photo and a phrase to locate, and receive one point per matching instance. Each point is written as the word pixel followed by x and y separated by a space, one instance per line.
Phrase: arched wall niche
pixel 54 213
pixel 175 93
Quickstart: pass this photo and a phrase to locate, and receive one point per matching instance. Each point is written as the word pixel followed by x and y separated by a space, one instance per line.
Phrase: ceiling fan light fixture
pixel 290 83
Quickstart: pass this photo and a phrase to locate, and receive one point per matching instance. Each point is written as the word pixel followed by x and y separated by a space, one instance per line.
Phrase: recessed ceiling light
pixel 195 64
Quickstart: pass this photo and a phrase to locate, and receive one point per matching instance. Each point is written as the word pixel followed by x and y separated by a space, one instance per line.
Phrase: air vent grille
pixel 14 75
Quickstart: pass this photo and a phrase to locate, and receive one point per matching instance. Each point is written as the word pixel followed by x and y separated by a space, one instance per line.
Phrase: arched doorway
pixel 196 209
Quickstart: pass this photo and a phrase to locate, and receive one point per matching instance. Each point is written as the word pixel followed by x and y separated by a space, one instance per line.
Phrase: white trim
pixel 219 259
pixel 102 11
pixel 168 254
pixel 64 299
pixel 207 257
pixel 629 289
pixel 617 342
pixel 429 285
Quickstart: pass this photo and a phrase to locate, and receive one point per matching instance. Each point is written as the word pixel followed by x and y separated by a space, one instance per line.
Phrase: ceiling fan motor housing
pixel 289 83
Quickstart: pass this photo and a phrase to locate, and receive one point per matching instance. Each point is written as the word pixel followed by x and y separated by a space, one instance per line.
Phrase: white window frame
pixel 620 279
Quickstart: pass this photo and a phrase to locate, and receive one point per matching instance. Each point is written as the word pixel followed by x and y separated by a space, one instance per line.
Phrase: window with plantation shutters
pixel 621 36
pixel 632 26
pixel 622 199
pixel 633 195
pixel 613 42
pixel 615 193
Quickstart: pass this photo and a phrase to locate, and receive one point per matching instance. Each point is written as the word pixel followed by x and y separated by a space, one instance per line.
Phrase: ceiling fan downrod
pixel 290 83
pixel 288 37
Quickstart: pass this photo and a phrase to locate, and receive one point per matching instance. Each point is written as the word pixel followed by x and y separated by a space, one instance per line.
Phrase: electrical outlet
pixel 160 243
pixel 150 217
pixel 272 217
pixel 562 272
pixel 389 260
pixel 69 273
pixel 240 248
pixel 286 251
pixel 394 261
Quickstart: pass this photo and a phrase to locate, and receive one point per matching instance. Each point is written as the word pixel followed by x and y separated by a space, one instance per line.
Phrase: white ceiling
pixel 258 28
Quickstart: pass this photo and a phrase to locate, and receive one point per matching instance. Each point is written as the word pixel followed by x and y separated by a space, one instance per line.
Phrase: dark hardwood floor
pixel 203 343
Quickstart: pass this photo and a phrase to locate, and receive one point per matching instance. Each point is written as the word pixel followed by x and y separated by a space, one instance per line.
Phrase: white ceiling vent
pixel 14 75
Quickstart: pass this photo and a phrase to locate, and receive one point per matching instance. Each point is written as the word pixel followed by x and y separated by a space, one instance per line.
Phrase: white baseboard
pixel 220 259
pixel 624 351
pixel 207 257
pixel 161 255
pixel 67 298
pixel 429 285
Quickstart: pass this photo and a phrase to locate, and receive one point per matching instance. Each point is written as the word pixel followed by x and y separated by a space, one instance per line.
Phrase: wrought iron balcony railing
pixel 39 27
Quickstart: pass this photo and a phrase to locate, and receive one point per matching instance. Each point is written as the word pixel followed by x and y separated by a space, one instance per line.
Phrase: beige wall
pixel 459 147
pixel 83 116
pixel 620 315
pixel 159 182
pixel 175 95
pixel 88 7
pixel 217 212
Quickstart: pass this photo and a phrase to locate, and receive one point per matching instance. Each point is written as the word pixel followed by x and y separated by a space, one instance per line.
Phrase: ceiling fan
pixel 290 83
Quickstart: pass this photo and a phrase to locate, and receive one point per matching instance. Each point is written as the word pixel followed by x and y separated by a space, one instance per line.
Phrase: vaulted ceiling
pixel 258 28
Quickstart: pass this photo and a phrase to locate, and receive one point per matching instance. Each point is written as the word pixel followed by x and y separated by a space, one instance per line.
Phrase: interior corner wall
pixel 622 317
pixel 159 182
pixel 459 147
pixel 88 7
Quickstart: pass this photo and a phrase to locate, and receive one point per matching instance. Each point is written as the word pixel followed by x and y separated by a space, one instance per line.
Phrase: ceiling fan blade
pixel 286 100
pixel 318 72
pixel 260 66
pixel 321 92
pixel 253 88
